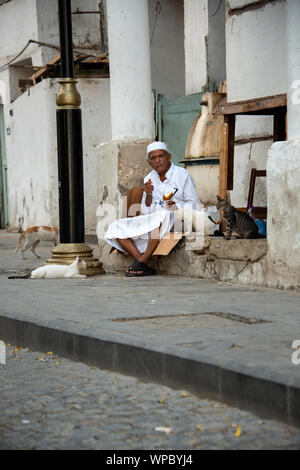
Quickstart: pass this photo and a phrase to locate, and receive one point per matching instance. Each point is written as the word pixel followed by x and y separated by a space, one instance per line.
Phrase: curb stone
pixel 197 374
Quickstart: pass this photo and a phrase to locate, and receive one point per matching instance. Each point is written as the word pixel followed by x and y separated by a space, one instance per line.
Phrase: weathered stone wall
pixel 240 261
pixel 283 205
pixel 121 166
pixel 236 260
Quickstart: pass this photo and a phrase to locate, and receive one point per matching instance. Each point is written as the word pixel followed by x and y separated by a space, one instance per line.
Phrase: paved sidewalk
pixel 216 340
pixel 51 403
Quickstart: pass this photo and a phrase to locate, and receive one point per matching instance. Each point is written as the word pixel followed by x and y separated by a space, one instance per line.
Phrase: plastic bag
pixel 262 227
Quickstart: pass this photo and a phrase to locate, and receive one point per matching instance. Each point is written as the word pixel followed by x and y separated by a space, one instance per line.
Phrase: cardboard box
pixel 167 243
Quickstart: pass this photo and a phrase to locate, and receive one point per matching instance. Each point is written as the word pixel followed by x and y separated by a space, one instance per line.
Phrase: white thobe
pixel 154 216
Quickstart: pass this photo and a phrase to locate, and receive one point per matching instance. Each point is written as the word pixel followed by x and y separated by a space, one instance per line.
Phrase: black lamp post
pixel 69 138
pixel 70 161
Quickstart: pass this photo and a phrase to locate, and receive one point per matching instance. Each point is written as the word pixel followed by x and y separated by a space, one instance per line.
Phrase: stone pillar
pixel 122 162
pixel 283 174
pixel 130 71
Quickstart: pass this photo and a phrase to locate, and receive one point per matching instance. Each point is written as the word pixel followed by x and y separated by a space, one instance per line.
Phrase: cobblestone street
pixel 51 403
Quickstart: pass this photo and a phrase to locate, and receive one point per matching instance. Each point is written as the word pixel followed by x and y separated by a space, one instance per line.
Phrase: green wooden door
pixel 174 119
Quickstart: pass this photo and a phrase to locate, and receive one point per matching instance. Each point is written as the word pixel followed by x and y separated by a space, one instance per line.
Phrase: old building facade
pixel 163 57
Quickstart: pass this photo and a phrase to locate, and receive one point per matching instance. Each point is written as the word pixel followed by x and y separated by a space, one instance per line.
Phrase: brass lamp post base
pixel 66 253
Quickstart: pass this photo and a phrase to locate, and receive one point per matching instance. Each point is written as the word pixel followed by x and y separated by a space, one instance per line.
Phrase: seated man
pixel 139 236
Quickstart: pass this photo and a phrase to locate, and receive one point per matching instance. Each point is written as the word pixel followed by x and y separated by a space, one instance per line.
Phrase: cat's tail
pixel 19 243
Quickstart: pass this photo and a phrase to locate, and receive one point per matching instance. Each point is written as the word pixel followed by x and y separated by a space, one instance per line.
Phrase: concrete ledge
pixel 258 391
pixel 236 260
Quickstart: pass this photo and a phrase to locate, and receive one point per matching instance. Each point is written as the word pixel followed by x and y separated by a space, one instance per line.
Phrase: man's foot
pixel 139 269
pixel 129 267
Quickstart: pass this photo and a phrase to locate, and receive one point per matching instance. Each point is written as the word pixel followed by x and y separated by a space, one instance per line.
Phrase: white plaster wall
pixel 21 20
pixel 86 30
pixel 18 24
pixel 32 151
pixel 256 52
pixel 253 126
pixel 167 47
pixel 30 147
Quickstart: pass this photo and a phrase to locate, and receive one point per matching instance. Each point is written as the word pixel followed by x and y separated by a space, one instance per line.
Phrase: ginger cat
pixel 33 236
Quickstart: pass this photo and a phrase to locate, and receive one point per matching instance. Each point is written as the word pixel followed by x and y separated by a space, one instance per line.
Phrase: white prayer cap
pixel 156 146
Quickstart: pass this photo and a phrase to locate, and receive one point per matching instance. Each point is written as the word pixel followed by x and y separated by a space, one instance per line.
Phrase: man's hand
pixel 171 205
pixel 148 188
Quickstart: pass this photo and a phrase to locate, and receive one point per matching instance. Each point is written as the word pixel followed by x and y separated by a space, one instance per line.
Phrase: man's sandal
pixel 140 269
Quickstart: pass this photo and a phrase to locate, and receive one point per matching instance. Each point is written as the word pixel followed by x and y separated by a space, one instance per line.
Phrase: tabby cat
pixel 237 221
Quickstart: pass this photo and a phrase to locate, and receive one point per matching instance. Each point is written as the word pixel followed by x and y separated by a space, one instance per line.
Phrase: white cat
pixel 33 235
pixel 55 271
